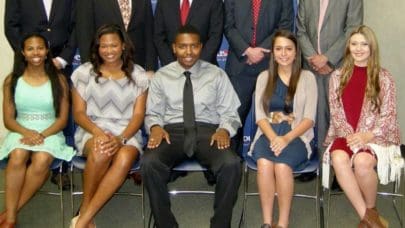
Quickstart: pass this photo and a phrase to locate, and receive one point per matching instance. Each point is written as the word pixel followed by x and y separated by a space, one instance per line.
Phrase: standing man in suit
pixel 54 19
pixel 322 29
pixel 249 28
pixel 205 15
pixel 134 16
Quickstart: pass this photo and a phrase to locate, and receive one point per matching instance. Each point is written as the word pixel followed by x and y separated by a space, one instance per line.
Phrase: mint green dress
pixel 34 106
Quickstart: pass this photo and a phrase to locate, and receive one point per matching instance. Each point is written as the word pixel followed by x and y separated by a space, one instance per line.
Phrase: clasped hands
pixel 158 134
pixel 278 143
pixel 107 143
pixel 255 54
pixel 319 64
pixel 32 138
pixel 358 140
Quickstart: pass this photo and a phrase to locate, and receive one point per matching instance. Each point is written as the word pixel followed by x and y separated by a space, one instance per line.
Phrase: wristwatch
pixel 123 140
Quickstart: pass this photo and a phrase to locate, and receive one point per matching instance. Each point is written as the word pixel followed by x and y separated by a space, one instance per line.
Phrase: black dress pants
pixel 156 167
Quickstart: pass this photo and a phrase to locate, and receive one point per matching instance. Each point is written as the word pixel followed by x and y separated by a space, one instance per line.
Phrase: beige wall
pixel 385 17
pixel 6 61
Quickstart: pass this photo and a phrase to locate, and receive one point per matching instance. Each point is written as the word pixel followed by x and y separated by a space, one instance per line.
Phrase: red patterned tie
pixel 255 17
pixel 185 8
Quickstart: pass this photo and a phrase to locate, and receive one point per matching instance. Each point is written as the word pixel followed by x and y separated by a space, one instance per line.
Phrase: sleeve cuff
pixel 230 127
pixel 62 62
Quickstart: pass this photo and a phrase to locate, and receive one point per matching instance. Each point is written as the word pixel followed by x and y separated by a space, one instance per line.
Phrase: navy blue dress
pixel 295 153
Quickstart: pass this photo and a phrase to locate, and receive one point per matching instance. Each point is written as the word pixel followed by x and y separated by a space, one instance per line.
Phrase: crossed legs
pixel 102 176
pixel 358 183
pixel 23 181
pixel 271 178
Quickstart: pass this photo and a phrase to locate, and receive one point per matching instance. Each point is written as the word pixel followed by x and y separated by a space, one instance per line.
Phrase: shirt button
pixel 48 29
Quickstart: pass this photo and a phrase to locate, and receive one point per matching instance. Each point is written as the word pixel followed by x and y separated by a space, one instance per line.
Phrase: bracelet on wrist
pixel 122 139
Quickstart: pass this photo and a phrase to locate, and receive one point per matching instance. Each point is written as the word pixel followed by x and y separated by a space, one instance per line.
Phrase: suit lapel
pixel 136 9
pixel 194 7
pixel 55 4
pixel 263 10
pixel 175 5
pixel 116 10
pixel 42 11
pixel 328 11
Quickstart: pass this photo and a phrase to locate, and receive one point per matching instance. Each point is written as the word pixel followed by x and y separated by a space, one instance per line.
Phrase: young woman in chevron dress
pixel 109 97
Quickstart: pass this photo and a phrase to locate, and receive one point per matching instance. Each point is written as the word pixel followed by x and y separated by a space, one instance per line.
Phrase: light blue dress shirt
pixel 215 100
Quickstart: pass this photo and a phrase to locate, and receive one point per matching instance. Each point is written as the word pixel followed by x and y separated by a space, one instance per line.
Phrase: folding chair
pixel 250 165
pixel 190 165
pixel 79 163
pixel 393 195
pixel 56 164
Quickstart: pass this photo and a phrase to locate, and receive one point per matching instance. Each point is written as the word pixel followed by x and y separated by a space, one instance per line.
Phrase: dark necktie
pixel 190 133
pixel 185 8
pixel 255 18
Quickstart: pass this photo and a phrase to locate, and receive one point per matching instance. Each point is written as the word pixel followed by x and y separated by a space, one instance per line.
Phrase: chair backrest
pixel 249 129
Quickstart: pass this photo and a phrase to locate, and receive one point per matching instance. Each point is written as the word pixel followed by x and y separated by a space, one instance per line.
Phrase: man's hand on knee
pixel 221 136
pixel 157 134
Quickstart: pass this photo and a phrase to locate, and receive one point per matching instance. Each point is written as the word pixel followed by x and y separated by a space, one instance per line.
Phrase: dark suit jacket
pixel 273 15
pixel 28 16
pixel 205 15
pixel 91 14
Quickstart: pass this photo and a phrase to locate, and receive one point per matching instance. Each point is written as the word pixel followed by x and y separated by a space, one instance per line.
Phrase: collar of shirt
pixel 48 6
pixel 189 1
pixel 193 70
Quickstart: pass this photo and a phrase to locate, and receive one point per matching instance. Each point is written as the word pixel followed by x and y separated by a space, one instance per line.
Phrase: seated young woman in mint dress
pixel 285 104
pixel 35 108
pixel 109 98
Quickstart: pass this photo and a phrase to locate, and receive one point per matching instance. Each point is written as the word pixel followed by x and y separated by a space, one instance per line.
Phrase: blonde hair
pixel 373 67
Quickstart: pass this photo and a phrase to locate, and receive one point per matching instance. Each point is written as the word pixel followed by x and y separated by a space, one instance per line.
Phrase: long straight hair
pixel 20 64
pixel 373 67
pixel 273 71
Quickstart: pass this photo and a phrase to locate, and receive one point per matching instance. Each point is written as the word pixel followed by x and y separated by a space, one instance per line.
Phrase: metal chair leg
pixel 72 206
pixel 242 221
pixel 328 207
pixel 61 198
